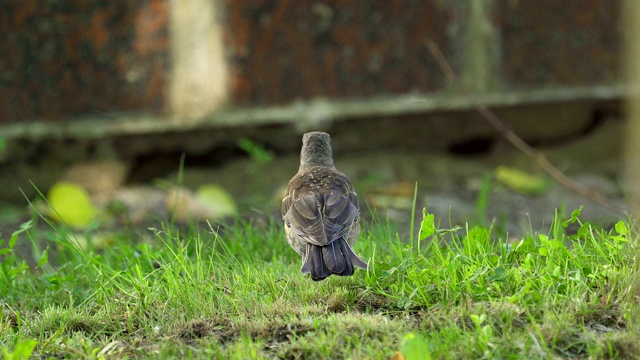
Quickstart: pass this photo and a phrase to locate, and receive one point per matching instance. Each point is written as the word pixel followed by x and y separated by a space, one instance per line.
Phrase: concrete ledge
pixel 304 115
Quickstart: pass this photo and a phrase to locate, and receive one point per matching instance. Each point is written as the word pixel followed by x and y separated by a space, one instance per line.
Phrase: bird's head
pixel 316 149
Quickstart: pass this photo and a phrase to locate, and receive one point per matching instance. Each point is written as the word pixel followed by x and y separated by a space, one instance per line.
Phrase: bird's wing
pixel 340 212
pixel 286 204
pixel 305 220
pixel 320 219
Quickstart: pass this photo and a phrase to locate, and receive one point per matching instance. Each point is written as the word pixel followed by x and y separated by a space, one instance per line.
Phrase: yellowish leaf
pixel 217 199
pixel 70 204
pixel 521 181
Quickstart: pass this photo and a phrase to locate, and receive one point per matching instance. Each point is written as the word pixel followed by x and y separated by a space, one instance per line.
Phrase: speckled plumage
pixel 321 212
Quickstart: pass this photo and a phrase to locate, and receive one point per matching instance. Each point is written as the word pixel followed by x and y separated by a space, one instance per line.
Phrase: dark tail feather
pixel 351 256
pixel 314 263
pixel 335 260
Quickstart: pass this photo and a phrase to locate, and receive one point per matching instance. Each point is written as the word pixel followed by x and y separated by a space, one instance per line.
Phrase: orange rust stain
pixel 150 22
pixel 22 13
pixel 241 33
pixel 99 31
pixel 155 82
pixel 585 18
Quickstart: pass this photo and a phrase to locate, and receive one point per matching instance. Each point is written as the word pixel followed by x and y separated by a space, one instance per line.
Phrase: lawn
pixel 236 292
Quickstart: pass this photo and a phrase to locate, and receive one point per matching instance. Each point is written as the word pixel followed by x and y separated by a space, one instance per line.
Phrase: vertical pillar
pixel 198 82
pixel 478 49
pixel 631 30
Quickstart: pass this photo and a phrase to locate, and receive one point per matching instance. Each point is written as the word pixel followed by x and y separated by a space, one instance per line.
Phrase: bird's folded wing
pixel 304 220
pixel 339 214
pixel 321 219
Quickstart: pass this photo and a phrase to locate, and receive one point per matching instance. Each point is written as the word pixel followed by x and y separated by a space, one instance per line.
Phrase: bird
pixel 321 212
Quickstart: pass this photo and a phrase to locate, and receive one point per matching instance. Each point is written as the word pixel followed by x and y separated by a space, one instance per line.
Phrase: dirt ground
pixel 450 182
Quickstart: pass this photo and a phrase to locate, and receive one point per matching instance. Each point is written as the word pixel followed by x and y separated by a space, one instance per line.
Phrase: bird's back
pixel 319 180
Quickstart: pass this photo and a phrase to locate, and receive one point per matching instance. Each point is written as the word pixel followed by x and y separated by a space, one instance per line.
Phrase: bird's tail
pixel 336 258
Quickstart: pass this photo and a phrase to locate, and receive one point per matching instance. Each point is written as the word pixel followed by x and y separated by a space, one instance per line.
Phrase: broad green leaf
pixel 14 237
pixel 70 204
pixel 414 347
pixel 427 226
pixel 256 151
pixel 44 258
pixel 575 214
pixel 478 319
pixel 23 350
pixel 621 228
pixel 499 273
pixel 217 199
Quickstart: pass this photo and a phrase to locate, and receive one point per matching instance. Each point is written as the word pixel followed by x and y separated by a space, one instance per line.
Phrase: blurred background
pixel 101 103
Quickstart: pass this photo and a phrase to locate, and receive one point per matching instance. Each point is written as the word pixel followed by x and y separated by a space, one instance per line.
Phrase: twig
pixel 516 141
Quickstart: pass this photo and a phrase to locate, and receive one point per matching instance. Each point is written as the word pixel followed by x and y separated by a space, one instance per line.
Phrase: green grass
pixel 237 293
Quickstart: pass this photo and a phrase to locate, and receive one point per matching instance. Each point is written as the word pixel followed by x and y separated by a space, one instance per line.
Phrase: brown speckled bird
pixel 320 212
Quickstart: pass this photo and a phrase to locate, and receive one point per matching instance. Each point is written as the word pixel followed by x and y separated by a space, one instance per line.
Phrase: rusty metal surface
pixel 72 58
pixel 282 51
pixel 82 59
pixel 567 43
